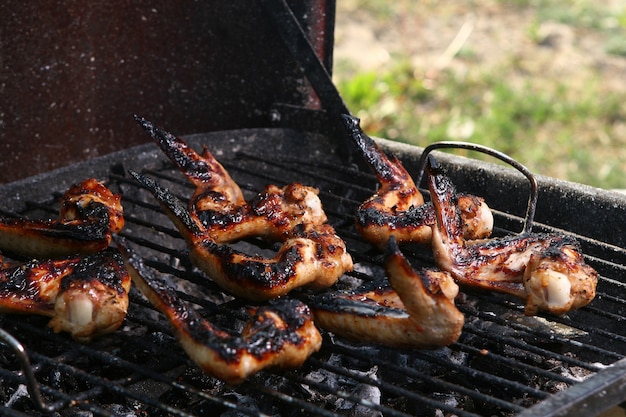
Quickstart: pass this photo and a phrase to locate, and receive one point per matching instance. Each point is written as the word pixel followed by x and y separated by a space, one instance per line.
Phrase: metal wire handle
pixel 534 188
pixel 27 370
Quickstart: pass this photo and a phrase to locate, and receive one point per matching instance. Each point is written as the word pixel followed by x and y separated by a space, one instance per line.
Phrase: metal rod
pixel 534 188
pixel 295 39
pixel 27 370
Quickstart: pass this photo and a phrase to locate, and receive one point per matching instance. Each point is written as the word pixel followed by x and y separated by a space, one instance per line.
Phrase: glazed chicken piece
pixel 90 213
pixel 218 205
pixel 312 256
pixel 86 296
pixel 416 311
pixel 548 271
pixel 398 209
pixel 311 253
pixel 280 335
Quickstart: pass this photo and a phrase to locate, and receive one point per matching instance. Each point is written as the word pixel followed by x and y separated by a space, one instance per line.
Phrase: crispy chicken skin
pixel 397 208
pixel 218 206
pixel 280 335
pixel 89 214
pixel 272 214
pixel 417 311
pixel 548 271
pixel 86 296
pixel 313 257
pixel 311 253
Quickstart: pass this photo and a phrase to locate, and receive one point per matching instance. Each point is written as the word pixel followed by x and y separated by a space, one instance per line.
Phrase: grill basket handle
pixel 27 370
pixel 534 188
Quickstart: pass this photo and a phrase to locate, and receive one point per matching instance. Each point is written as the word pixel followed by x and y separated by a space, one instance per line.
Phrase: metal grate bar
pixel 391 388
pixel 137 373
pixel 434 381
pixel 547 336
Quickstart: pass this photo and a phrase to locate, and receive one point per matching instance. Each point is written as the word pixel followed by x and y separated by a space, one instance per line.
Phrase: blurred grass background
pixel 541 80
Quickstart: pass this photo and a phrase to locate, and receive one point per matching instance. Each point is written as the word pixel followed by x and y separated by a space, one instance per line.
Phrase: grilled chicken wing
pixel 311 253
pixel 398 209
pixel 272 214
pixel 86 296
pixel 311 257
pixel 546 270
pixel 218 205
pixel 89 214
pixel 280 335
pixel 417 311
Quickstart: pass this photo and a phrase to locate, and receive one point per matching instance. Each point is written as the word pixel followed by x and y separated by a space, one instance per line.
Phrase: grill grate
pixel 503 363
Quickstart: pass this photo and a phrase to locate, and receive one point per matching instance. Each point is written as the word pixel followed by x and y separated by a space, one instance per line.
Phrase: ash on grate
pixel 356 397
pixel 18 396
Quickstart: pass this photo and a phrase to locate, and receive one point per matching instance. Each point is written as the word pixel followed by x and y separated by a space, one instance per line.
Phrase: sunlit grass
pixel 573 131
pixel 555 131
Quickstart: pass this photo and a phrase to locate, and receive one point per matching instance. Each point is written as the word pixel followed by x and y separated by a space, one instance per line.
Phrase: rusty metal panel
pixel 72 74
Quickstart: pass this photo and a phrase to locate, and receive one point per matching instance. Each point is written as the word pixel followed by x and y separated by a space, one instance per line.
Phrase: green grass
pixel 549 128
pixel 574 132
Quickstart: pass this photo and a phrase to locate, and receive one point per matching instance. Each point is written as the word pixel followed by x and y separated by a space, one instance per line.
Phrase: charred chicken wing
pixel 280 335
pixel 86 296
pixel 548 271
pixel 398 209
pixel 417 311
pixel 89 214
pixel 311 253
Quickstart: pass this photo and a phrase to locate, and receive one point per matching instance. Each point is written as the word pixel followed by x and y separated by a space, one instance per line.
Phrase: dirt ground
pixel 433 32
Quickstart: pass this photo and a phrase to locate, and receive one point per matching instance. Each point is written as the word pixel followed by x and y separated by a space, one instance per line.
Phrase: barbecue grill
pixel 504 363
